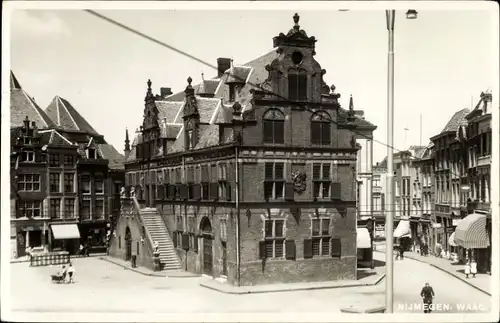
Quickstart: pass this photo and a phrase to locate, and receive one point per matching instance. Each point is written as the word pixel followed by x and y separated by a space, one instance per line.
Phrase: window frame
pixel 30 207
pixel 96 207
pixel 273 126
pixel 321 237
pixel 69 208
pixel 273 181
pixel 22 180
pixel 322 181
pixel 320 123
pixel 55 208
pixel 54 182
pixel 274 240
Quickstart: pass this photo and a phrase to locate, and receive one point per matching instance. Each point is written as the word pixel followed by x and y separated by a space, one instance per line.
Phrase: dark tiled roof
pixel 67 117
pixel 22 106
pixel 209 136
pixel 457 120
pixel 170 131
pixel 209 87
pixel 168 110
pixel 112 155
pixel 343 114
pixel 178 145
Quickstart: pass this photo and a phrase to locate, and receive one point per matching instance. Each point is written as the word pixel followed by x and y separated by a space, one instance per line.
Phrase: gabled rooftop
pixel 67 117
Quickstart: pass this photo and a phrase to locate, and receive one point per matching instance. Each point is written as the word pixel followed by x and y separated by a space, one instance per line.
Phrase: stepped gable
pixel 67 117
pixel 22 106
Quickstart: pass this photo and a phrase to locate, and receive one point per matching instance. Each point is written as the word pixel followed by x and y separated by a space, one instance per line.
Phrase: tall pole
pixel 389 224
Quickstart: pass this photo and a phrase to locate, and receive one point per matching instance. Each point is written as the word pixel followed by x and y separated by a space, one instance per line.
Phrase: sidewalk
pixel 481 282
pixel 371 277
pixel 148 272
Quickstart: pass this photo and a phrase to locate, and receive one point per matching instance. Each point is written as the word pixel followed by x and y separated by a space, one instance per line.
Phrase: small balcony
pixel 484 161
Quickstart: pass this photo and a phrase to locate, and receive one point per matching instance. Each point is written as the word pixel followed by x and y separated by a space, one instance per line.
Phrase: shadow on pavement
pixel 364 273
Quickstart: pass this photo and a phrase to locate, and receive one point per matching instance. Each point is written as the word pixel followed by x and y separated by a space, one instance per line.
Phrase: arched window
pixel 190 138
pixel 274 127
pixel 297 85
pixel 320 128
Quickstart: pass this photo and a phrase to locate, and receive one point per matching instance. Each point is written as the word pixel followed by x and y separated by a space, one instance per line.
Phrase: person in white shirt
pixel 467 269
pixel 473 268
pixel 71 272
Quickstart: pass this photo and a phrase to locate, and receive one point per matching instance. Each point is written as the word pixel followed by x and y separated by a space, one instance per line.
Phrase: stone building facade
pixel 253 172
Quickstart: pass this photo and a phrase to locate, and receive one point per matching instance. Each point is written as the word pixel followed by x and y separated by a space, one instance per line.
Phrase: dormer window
pixel 27 140
pixel 91 153
pixel 28 156
pixel 297 85
pixel 232 90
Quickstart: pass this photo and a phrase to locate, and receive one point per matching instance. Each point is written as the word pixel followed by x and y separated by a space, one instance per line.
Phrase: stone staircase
pixel 158 231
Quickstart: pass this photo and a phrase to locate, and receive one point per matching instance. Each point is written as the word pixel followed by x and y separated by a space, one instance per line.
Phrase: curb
pixel 241 292
pixel 451 274
pixel 153 274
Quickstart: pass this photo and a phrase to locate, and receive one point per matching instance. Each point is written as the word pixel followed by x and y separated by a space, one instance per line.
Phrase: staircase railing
pixel 150 242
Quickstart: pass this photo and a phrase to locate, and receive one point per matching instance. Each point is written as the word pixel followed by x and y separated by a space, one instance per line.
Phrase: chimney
pixel 223 64
pixel 165 91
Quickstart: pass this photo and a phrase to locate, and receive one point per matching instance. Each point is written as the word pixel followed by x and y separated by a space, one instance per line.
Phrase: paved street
pixel 104 287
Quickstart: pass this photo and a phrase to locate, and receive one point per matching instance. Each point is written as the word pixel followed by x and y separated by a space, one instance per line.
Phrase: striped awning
pixel 65 231
pixel 471 232
pixel 451 240
pixel 363 239
pixel 403 229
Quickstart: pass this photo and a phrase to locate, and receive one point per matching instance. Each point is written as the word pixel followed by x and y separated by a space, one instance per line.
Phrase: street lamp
pixel 389 220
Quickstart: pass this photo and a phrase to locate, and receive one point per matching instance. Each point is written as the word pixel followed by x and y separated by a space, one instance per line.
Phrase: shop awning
pixel 65 231
pixel 471 232
pixel 403 229
pixel 451 240
pixel 363 239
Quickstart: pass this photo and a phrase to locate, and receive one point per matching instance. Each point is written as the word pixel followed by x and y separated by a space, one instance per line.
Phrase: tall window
pixel 91 153
pixel 55 182
pixel 191 231
pixel 28 182
pixel 321 237
pixel 85 212
pixel 190 143
pixel 223 184
pixel 297 85
pixel 321 180
pixel 274 238
pixel 274 180
pixel 30 208
pixel 69 183
pixel 320 129
pixel 28 156
pixel 99 209
pixel 274 127
pixel 55 208
pixel 69 208
pixel 205 181
pixel 86 184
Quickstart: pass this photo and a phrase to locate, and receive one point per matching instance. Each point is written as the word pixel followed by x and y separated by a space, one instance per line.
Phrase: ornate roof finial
pixel 296 19
pixel 189 80
pixel 351 104
pixel 149 84
pixel 202 77
pixel 333 88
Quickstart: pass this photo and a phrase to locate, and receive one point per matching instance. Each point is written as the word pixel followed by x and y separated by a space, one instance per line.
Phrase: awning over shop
pixel 451 240
pixel 65 231
pixel 471 232
pixel 363 239
pixel 403 229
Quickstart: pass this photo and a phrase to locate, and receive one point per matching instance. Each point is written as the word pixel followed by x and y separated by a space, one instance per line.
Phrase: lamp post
pixel 389 220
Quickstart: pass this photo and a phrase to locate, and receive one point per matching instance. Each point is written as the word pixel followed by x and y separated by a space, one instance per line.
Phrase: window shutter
pixel 185 241
pixel 262 249
pixel 335 191
pixel 279 132
pixel 161 192
pixel 195 243
pixel 214 191
pixel 308 248
pixel 268 131
pixel 289 192
pixel 228 191
pixel 183 191
pixel 315 133
pixel 38 156
pixel 325 133
pixel 336 247
pixel 302 87
pixel 197 192
pixel 382 201
pixel 174 238
pixel 290 249
pixel 292 86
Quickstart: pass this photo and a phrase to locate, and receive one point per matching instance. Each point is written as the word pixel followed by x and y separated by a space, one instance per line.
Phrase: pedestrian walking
pixel 473 268
pixel 427 295
pixel 396 248
pixel 71 272
pixel 467 269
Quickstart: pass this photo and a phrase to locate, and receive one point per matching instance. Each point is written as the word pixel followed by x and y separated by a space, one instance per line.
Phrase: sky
pixel 443 60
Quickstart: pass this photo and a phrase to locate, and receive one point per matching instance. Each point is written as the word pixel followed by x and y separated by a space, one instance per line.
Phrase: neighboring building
pixel 423 165
pixel 58 152
pixel 448 177
pixel 245 176
pixel 379 186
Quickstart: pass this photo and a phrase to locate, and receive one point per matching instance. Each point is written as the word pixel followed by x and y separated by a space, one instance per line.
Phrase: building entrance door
pixel 206 230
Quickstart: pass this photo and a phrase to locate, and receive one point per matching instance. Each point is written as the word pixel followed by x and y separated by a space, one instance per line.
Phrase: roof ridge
pixel 70 115
pixel 35 107
pixel 64 138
